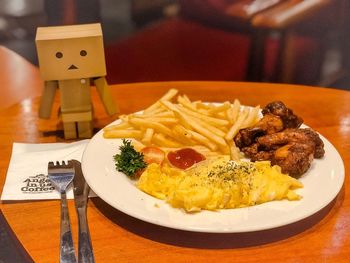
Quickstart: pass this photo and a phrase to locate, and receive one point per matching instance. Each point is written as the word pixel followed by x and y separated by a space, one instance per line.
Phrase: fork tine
pixel 56 167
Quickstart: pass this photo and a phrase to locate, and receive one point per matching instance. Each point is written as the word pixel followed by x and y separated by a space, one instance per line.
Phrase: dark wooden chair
pixel 252 40
pixel 320 22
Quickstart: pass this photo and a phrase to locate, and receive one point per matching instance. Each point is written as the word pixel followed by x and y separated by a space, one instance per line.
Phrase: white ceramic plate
pixel 322 183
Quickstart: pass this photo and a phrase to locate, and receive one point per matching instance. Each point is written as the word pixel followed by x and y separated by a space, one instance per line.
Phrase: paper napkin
pixel 26 177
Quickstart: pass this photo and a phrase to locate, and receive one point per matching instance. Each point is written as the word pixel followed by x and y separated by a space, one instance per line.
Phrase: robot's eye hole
pixel 59 55
pixel 83 53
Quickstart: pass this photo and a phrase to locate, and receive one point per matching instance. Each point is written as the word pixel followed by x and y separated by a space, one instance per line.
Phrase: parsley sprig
pixel 129 161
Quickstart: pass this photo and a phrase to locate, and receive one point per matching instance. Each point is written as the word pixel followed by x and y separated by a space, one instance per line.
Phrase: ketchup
pixel 185 158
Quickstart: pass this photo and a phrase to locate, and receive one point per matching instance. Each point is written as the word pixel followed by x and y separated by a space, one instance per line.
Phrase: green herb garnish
pixel 129 161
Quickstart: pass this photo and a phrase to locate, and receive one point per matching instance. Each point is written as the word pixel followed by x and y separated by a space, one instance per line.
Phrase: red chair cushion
pixel 177 49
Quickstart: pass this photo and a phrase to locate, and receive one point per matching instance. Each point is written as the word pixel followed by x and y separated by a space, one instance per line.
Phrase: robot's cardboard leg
pixel 85 129
pixel 70 131
pixel 77 124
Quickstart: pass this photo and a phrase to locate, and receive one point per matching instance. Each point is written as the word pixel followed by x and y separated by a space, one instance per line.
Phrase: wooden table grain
pixel 117 237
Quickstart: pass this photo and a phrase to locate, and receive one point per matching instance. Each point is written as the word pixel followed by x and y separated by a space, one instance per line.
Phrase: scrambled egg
pixel 218 184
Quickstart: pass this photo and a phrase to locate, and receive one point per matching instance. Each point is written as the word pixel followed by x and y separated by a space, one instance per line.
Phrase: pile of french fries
pixel 207 127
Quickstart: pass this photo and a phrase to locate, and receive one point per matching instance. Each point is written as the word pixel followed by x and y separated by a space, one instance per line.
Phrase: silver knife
pixel 81 191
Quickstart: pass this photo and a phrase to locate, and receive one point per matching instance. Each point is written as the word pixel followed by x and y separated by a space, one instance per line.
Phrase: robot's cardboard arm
pixel 104 91
pixel 47 99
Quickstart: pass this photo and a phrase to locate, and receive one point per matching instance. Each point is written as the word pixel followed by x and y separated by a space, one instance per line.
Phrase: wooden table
pixel 323 237
pixel 18 78
pixel 117 237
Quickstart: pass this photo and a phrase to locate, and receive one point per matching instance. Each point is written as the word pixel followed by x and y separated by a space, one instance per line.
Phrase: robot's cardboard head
pixel 70 52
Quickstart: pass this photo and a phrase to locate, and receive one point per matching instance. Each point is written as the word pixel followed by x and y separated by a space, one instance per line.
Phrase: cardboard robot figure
pixel 71 58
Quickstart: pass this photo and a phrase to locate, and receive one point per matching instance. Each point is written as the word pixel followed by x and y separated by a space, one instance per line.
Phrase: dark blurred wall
pixel 85 11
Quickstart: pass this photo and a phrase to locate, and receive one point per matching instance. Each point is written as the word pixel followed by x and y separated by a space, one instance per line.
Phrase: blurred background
pixel 289 41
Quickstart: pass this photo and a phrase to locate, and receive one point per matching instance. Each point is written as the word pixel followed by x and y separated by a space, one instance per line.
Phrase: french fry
pixel 186 98
pixel 124 118
pixel 230 116
pixel 136 134
pixel 200 105
pixel 148 124
pixel 170 94
pixel 147 136
pixel 226 105
pixel 160 140
pixel 235 127
pixel 187 104
pixel 182 134
pixel 138 145
pixel 170 105
pixel 203 140
pixel 166 97
pixel 196 125
pixel 163 114
pixel 182 130
pixel 186 116
pixel 204 150
pixel 208 119
pixel 120 126
pixel 251 118
pixel 208 127
pixel 234 151
pixel 154 107
pixel 236 107
pixel 157 110
pixel 205 125
pixel 177 113
pixel 165 121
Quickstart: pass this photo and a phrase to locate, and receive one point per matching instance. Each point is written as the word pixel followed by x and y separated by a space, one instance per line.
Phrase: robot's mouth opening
pixel 72 67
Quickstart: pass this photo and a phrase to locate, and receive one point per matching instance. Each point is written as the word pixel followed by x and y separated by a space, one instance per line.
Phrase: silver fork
pixel 61 175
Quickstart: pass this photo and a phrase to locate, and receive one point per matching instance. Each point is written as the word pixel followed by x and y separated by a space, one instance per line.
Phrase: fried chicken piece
pixel 246 137
pixel 288 136
pixel 267 125
pixel 294 158
pixel 319 145
pixel 277 117
pixel 278 138
pixel 255 154
pixel 292 149
pixel 278 108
